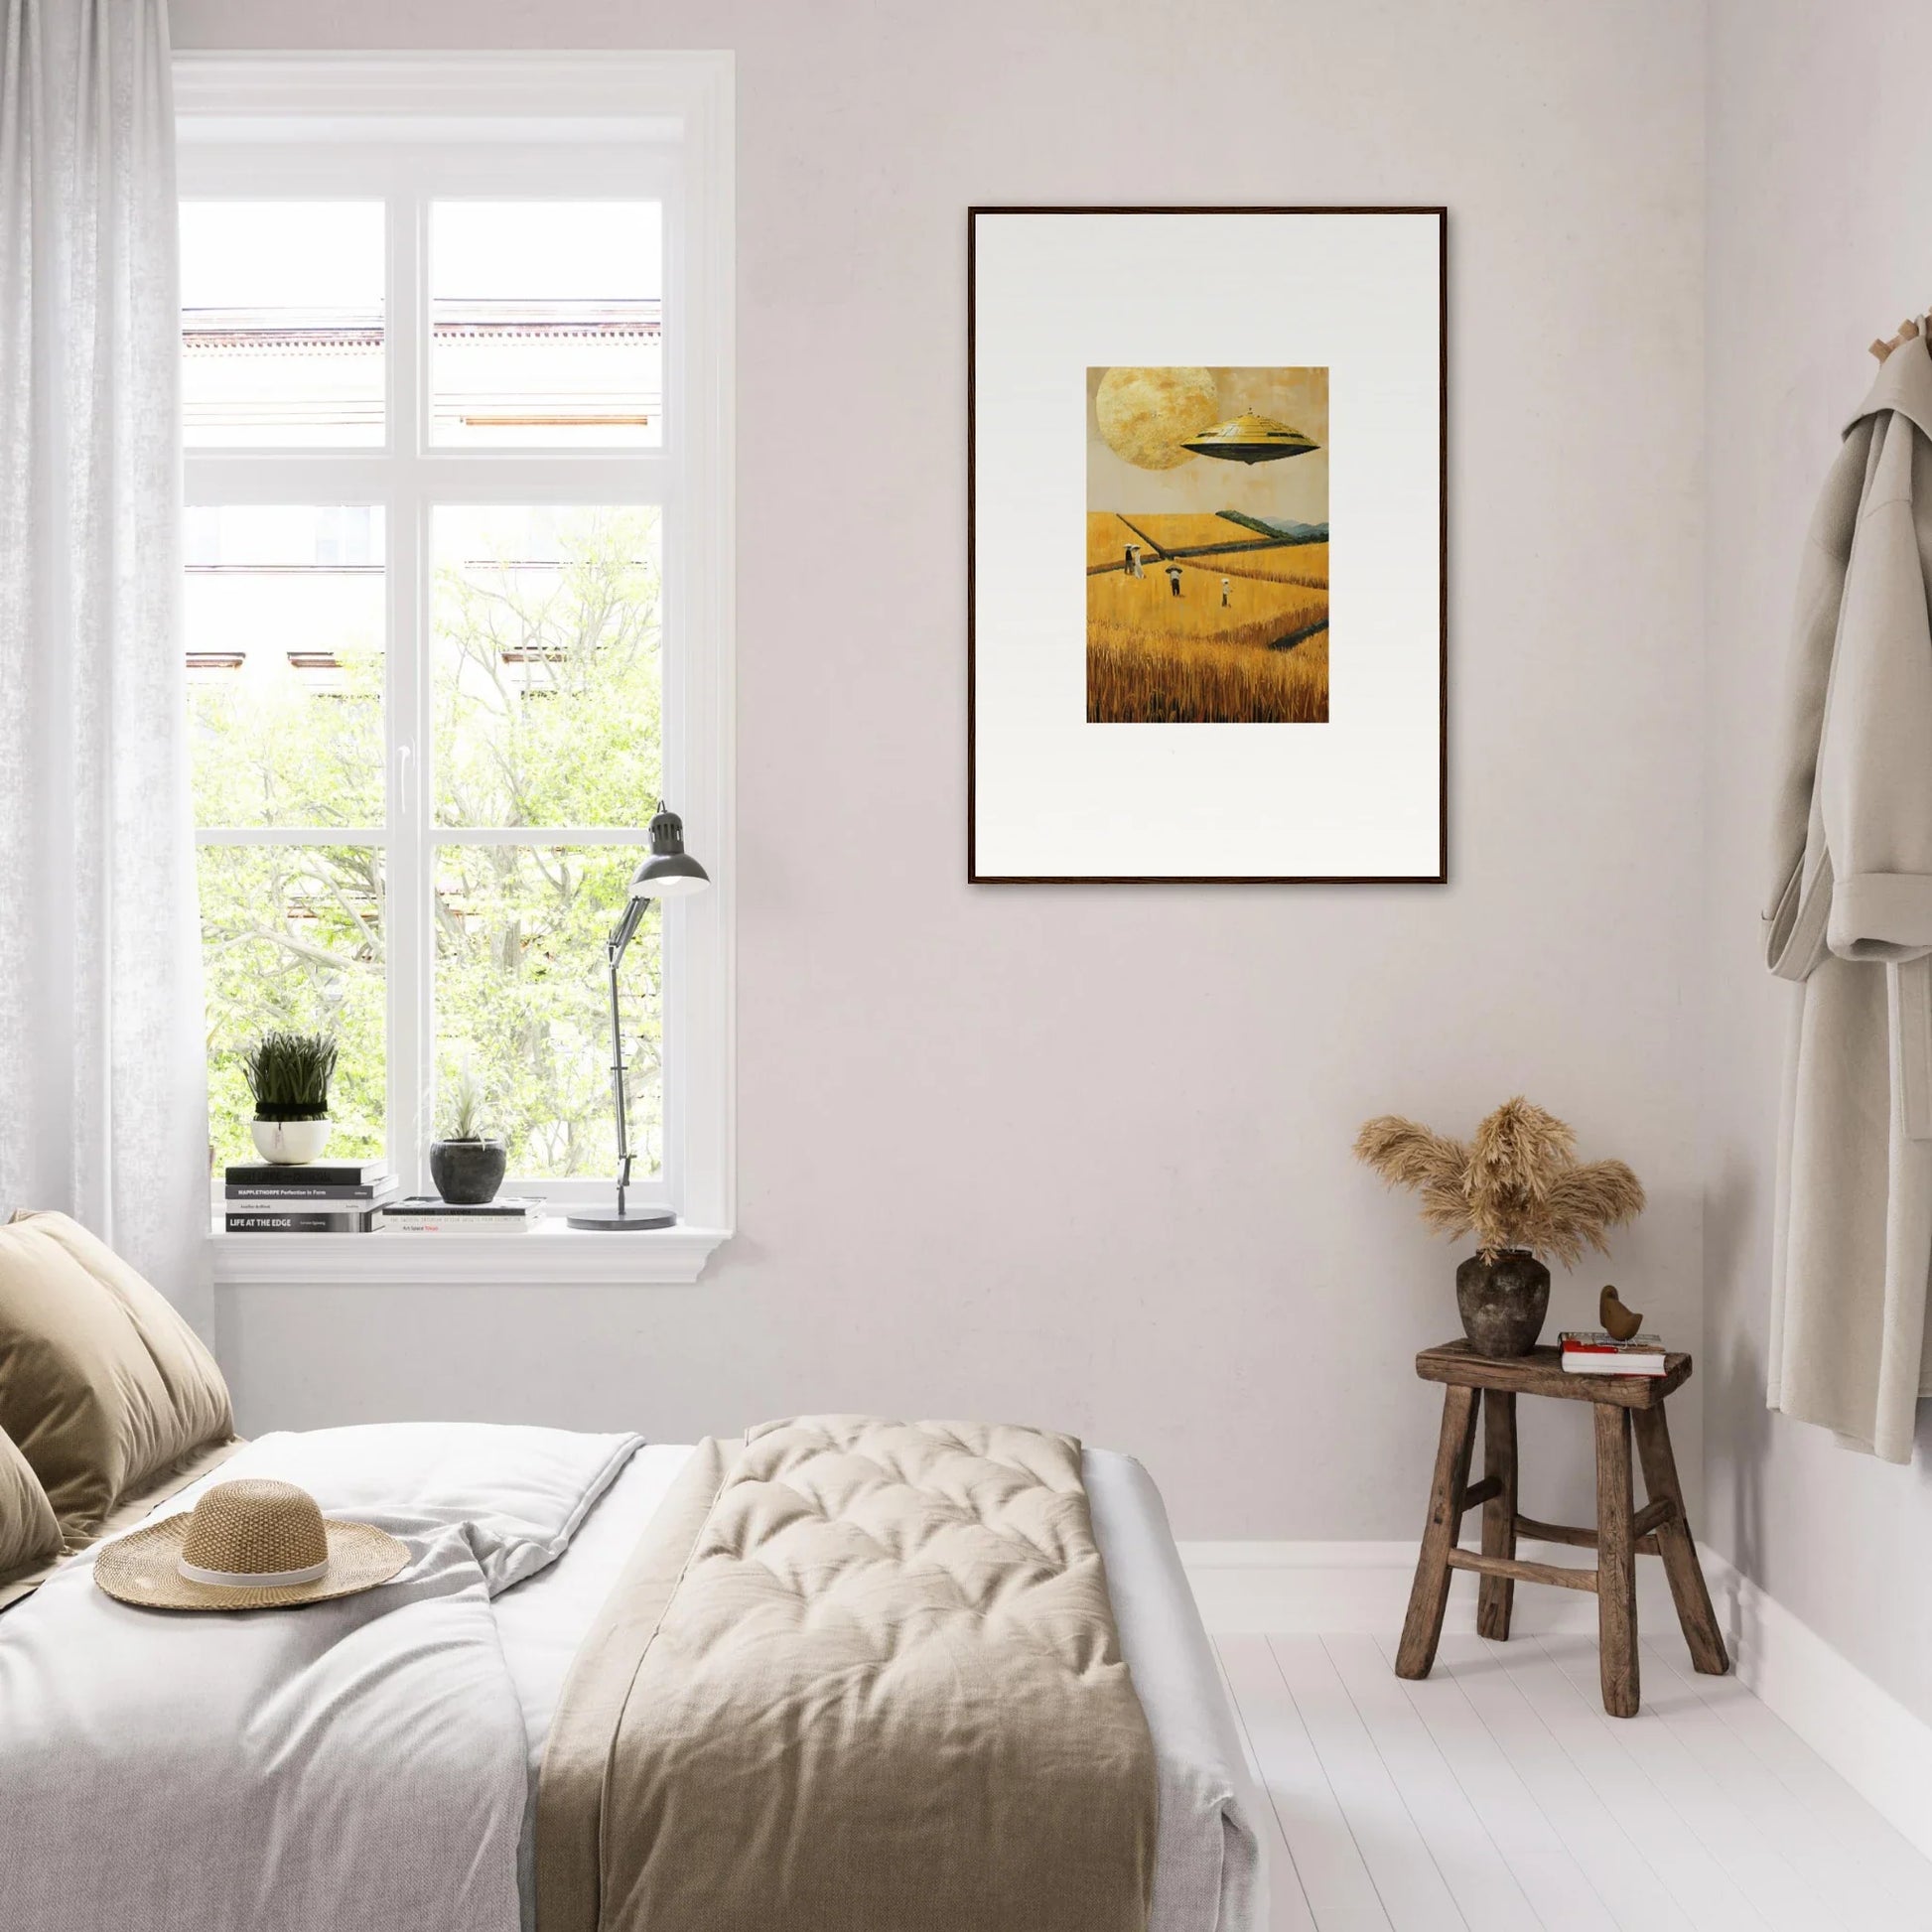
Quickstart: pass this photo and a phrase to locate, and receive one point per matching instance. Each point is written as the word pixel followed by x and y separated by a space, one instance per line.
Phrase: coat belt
pixel 1795 945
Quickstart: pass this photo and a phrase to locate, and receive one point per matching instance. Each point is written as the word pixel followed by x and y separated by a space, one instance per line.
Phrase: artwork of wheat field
pixel 1207 546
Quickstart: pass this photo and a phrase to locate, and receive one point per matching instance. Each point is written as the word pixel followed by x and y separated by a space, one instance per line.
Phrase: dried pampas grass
pixel 1517 1185
pixel 1408 1155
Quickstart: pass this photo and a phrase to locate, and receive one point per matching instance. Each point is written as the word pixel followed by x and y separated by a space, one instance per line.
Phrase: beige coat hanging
pixel 1851 917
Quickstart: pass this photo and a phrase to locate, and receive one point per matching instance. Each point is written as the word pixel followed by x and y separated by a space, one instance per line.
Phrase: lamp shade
pixel 669 871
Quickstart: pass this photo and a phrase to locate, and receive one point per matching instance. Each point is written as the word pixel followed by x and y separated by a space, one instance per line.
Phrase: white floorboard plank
pixel 1696 1880
pixel 1484 1889
pixel 1407 1880
pixel 1752 1859
pixel 1855 1891
pixel 1618 1867
pixel 1288 1904
pixel 1333 1880
pixel 1240 1721
pixel 1556 1885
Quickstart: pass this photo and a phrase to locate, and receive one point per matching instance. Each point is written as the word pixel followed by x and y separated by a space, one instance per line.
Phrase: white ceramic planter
pixel 289 1143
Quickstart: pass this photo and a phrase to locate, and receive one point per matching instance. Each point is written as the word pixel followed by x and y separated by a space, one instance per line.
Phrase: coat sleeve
pixel 1797 902
pixel 1874 765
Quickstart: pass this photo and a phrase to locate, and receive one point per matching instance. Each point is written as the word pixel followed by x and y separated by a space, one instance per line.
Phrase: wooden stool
pixel 1659 1529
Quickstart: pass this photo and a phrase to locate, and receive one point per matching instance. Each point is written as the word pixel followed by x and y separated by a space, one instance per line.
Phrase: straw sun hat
pixel 248 1545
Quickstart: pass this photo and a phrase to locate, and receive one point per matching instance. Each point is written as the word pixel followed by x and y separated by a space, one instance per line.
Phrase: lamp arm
pixel 626 927
pixel 614 948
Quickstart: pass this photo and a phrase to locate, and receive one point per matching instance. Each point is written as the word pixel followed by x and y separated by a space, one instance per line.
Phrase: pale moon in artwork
pixel 1146 415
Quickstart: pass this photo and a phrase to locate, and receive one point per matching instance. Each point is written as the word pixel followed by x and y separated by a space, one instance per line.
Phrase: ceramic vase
pixel 1503 1301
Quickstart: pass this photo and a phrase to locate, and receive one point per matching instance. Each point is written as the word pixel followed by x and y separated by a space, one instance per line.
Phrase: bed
pixel 500 1633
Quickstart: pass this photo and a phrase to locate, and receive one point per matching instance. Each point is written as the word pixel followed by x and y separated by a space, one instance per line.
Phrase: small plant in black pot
pixel 467 1164
pixel 288 1075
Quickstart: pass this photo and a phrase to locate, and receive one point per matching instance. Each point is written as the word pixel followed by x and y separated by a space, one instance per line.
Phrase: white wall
pixel 1080 1156
pixel 1820 239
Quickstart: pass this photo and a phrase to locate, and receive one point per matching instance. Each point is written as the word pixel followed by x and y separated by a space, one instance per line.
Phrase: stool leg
pixel 1617 1563
pixel 1495 1596
pixel 1422 1630
pixel 1678 1547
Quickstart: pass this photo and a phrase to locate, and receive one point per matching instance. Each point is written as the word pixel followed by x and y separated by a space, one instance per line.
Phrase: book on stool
pixel 1596 1351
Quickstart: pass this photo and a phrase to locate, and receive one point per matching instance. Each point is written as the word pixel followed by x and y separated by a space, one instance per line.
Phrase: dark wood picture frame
pixel 973 873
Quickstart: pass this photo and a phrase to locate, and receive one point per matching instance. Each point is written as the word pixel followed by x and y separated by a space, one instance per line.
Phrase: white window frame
pixel 405 128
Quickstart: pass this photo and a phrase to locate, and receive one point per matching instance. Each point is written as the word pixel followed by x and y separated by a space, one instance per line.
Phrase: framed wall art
pixel 1206 545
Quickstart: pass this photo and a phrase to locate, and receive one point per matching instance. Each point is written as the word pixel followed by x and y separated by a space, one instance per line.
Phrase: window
pixel 455 353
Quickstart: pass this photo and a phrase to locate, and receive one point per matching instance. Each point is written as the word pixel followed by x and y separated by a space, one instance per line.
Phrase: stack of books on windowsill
pixel 323 1197
pixel 425 1215
pixel 1596 1351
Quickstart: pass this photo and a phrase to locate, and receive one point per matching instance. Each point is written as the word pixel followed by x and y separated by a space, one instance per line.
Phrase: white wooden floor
pixel 1497 1795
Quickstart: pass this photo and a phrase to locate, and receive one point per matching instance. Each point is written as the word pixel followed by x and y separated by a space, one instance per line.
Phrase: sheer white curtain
pixel 102 1065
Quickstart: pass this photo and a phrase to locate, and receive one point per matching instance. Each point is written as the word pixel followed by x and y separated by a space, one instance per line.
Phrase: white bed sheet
pixel 1209 1875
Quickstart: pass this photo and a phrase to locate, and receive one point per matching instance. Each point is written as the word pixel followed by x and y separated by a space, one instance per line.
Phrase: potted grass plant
pixel 1517 1185
pixel 468 1163
pixel 288 1075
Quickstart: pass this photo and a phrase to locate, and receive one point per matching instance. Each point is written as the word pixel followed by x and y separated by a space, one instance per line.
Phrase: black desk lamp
pixel 668 872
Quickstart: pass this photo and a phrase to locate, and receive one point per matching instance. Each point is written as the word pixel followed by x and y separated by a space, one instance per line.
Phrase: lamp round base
pixel 607 1220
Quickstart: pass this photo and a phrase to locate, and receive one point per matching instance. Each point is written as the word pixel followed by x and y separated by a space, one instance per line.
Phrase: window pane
pixel 284 628
pixel 546 677
pixel 546 324
pixel 523 1002
pixel 281 324
pixel 293 937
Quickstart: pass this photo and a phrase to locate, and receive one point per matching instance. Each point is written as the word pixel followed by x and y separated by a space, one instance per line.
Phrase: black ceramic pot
pixel 468 1174
pixel 1504 1301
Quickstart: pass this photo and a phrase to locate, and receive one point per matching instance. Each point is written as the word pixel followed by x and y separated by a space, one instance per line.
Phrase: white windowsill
pixel 550 1254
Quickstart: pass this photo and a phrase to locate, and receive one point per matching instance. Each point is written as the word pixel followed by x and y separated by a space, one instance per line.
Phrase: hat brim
pixel 143 1569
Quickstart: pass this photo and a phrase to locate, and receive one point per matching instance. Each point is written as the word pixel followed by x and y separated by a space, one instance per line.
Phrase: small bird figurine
pixel 1619 1321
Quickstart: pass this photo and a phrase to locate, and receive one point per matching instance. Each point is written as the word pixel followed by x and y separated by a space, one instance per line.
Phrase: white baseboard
pixel 1878 1746
pixel 1871 1740
pixel 1364 1588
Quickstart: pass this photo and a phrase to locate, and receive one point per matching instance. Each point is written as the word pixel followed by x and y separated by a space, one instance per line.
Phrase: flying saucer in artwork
pixel 1250 439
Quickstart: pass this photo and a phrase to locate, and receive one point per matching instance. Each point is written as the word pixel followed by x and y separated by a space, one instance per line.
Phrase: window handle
pixel 404 776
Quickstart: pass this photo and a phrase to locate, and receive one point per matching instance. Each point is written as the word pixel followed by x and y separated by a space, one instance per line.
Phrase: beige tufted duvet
pixel 861 1675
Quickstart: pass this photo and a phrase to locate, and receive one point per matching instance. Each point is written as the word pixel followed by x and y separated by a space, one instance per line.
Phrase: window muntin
pixel 282 324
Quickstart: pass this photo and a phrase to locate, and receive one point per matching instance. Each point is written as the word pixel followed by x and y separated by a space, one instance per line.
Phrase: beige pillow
pixel 29 1534
pixel 102 1385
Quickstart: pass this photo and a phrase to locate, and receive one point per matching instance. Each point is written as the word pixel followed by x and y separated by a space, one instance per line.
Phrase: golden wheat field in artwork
pixel 1256 652
pixel 1207 553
